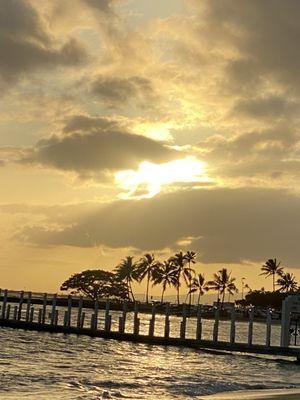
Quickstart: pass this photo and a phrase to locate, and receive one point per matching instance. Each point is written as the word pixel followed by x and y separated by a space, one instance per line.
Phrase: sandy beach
pixel 293 394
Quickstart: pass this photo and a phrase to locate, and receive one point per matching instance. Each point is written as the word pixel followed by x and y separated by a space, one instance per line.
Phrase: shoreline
pixel 264 394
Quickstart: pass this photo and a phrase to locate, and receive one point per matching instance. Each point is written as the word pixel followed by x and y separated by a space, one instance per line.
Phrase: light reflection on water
pixel 35 365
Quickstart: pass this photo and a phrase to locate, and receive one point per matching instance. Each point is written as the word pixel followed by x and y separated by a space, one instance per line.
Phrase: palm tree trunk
pixel 199 296
pixel 162 295
pixel 178 294
pixel 223 298
pixel 130 288
pixel 147 290
pixel 274 282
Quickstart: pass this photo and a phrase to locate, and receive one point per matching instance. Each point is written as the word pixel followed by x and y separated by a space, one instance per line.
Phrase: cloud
pixel 95 145
pixel 119 91
pixel 223 225
pixel 26 44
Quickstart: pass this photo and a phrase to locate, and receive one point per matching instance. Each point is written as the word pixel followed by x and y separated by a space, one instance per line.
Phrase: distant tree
pixel 96 284
pixel 145 268
pixel 165 274
pixel 190 256
pixel 199 285
pixel 179 261
pixel 272 268
pixel 287 282
pixel 223 282
pixel 126 272
pixel 265 299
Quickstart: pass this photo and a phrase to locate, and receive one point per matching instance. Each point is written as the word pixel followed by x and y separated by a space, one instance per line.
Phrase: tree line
pixel 176 272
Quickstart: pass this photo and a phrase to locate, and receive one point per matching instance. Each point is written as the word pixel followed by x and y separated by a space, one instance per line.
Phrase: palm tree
pixel 145 268
pixel 165 274
pixel 287 282
pixel 127 271
pixel 223 282
pixel 179 261
pixel 190 256
pixel 272 268
pixel 199 285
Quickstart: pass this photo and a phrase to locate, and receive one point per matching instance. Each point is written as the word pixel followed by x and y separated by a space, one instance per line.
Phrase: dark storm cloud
pixel 116 91
pixel 25 43
pixel 97 145
pixel 233 225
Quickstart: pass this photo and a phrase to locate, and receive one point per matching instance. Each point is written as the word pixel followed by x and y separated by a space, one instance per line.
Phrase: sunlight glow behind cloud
pixel 148 180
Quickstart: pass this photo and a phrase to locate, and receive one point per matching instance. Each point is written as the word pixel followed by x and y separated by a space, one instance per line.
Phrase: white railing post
pixel 167 322
pixel 250 326
pixel 199 324
pixel 107 317
pixel 4 303
pixel 44 309
pixel 20 305
pixel 232 327
pixel 285 322
pixel 80 305
pixel 28 305
pixel 152 322
pixel 136 320
pixel 7 312
pixel 31 314
pixel 216 325
pixel 53 309
pixel 269 324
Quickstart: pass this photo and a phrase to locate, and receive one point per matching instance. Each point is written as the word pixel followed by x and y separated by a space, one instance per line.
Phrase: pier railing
pixel 43 312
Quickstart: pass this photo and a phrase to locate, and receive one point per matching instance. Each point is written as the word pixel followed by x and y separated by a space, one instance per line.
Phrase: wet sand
pixel 293 394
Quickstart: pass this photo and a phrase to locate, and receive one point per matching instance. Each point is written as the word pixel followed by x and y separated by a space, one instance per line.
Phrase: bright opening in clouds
pixel 149 179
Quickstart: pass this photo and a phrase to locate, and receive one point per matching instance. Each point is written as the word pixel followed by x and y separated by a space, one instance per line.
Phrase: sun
pixel 149 179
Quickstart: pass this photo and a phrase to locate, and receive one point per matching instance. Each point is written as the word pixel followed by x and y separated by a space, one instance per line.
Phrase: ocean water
pixel 40 365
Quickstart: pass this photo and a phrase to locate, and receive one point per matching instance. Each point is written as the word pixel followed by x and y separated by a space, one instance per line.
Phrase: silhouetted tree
pixel 190 256
pixel 199 285
pixel 179 261
pixel 165 274
pixel 272 268
pixel 223 282
pixel 145 268
pixel 96 284
pixel 287 282
pixel 126 271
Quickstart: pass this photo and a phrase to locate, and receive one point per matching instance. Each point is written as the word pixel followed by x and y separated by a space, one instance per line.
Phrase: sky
pixel 134 126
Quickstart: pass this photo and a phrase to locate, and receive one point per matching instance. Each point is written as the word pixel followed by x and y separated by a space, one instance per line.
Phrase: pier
pixel 74 318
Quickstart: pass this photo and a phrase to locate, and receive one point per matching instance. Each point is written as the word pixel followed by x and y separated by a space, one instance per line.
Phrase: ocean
pixel 40 365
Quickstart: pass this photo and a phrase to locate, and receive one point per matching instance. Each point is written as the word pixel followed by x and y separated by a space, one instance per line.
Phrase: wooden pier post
pixel 96 310
pixel 136 320
pixel 56 317
pixel 53 310
pixel 82 319
pixel 183 323
pixel 152 322
pixel 167 322
pixel 4 303
pixel 250 327
pixel 20 305
pixel 199 324
pixel 269 324
pixel 40 316
pixel 216 325
pixel 232 326
pixel 122 319
pixel 79 311
pixel 43 310
pixel 93 321
pixel 107 323
pixel 28 305
pixel 69 315
pixel 65 322
pixel 31 314
pixel 15 313
pixel 7 316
